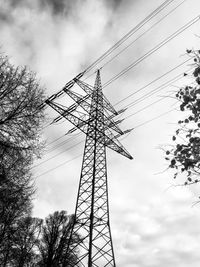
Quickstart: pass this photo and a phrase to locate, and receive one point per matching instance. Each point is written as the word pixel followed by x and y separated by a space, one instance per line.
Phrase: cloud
pixel 60 7
pixel 58 39
pixel 156 235
pixel 53 43
pixel 114 4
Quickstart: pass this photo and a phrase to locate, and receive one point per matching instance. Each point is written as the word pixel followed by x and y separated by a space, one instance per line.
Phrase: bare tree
pixel 21 119
pixel 25 241
pixel 20 115
pixel 54 241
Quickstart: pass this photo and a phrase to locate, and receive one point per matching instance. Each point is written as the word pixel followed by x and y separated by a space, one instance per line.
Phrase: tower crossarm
pixel 125 132
pixel 67 86
pixel 109 125
pixel 114 139
pixel 72 116
pixel 58 118
pixel 61 92
pixel 73 107
pixel 85 103
pixel 76 121
pixel 89 89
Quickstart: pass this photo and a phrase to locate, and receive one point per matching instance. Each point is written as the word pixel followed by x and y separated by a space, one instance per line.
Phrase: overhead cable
pixel 141 35
pixel 136 127
pixel 151 51
pixel 58 166
pixel 56 155
pixel 130 33
pixel 153 81
pixel 159 88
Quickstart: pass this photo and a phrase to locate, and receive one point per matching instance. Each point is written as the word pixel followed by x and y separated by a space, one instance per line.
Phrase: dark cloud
pixel 14 3
pixel 57 7
pixel 5 17
pixel 113 3
pixel 116 4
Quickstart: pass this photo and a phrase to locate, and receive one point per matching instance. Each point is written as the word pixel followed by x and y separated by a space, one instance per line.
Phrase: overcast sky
pixel 152 223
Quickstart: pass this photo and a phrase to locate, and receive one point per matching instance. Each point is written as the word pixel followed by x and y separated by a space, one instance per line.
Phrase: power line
pixel 133 30
pixel 152 92
pixel 58 166
pixel 166 84
pixel 141 35
pixel 140 89
pixel 129 34
pixel 63 142
pixel 149 105
pixel 83 140
pixel 57 154
pixel 154 118
pixel 151 51
pixel 153 81
pixel 159 88
pixel 56 139
pixel 182 28
pixel 120 101
pixel 135 127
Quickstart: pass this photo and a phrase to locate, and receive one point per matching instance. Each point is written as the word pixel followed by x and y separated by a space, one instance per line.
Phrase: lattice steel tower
pixel 91 221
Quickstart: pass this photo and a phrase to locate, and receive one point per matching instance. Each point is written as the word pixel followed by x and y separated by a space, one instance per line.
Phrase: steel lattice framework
pixel 91 221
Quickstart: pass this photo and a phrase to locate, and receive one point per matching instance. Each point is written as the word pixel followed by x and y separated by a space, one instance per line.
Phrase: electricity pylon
pixel 91 221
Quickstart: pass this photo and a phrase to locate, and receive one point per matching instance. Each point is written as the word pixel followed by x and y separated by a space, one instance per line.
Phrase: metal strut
pixel 91 222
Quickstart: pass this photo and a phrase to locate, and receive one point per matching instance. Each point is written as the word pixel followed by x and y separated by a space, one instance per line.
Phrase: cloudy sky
pixel 153 223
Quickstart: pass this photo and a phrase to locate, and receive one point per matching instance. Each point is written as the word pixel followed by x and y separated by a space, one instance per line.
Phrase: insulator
pixel 121 111
pixel 128 131
pixel 68 86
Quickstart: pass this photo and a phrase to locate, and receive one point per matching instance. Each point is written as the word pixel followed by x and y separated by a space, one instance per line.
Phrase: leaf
pixel 173 162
